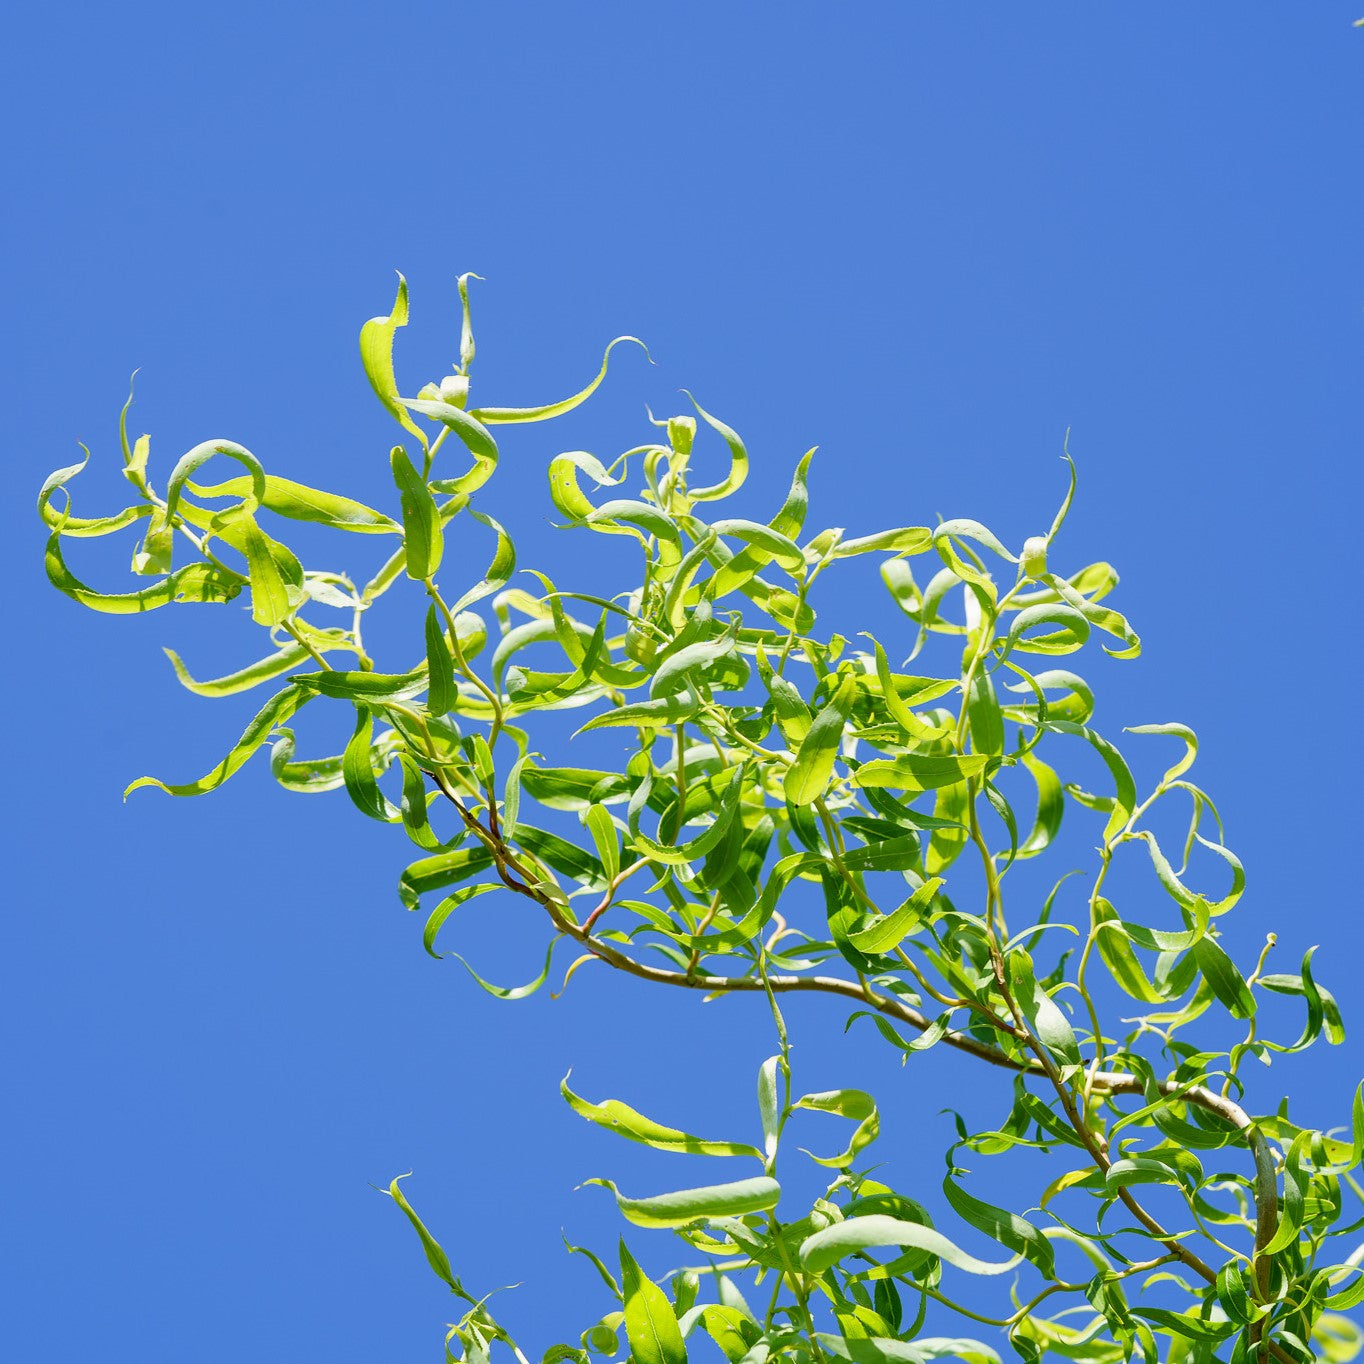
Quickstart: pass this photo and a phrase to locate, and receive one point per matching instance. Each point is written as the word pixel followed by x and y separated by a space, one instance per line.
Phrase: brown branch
pixel 1112 1083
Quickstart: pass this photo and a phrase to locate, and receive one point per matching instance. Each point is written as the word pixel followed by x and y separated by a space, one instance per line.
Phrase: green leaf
pixel 605 838
pixel 1077 706
pixel 494 416
pixel 650 1324
pixel 1322 1009
pixel 564 490
pixel 888 932
pixel 1179 732
pixel 499 571
pixel 307 775
pixel 808 777
pixel 769 1106
pixel 777 546
pixel 903 540
pixel 1009 1229
pixel 943 536
pixel 661 714
pixel 440 667
pixel 921 771
pixel 900 853
pixel 915 726
pixel 301 503
pixel 1109 621
pixel 272 600
pixel 643 520
pixel 376 354
pixel 473 435
pixel 1176 888
pixel 738 460
pixel 358 771
pixel 415 802
pixel 154 553
pixel 274 712
pixel 1124 786
pixel 193 583
pixel 81 527
pixel 828 1247
pixel 733 1332
pixel 570 788
pixel 984 716
pixel 244 678
pixel 421 520
pixel 1051 806
pixel 199 456
pixel 1116 952
pixel 623 1120
pixel 673 672
pixel 1071 636
pixel 1185 1326
pixel 1048 1021
pixel 854 1104
pixel 683 853
pixel 362 686
pixel 740 570
pixel 564 857
pixel 684 1206
pixel 435 1256
pixel 1226 981
pixel 511 993
pixel 441 870
pixel 883 1350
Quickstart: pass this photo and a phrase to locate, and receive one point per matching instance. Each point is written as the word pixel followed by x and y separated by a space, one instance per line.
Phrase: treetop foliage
pixel 796 809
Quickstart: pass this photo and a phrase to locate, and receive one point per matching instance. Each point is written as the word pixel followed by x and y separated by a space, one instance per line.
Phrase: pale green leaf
pixel 623 1120
pixel 889 931
pixel 921 771
pixel 421 520
pixel 683 1206
pixel 494 416
pixel 376 354
pixel 856 1105
pixel 274 712
pixel 650 1323
pixel 828 1247
pixel 808 777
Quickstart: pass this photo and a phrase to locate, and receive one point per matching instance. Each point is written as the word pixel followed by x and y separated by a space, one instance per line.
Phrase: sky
pixel 938 241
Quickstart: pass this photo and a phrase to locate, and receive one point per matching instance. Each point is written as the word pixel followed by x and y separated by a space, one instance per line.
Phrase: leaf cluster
pixel 792 811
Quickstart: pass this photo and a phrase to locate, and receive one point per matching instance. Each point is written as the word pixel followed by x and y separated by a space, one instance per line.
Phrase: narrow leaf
pixel 828 1247
pixel 376 354
pixel 274 712
pixel 623 1120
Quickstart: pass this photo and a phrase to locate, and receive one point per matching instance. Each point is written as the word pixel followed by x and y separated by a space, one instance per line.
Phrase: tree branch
pixel 1112 1083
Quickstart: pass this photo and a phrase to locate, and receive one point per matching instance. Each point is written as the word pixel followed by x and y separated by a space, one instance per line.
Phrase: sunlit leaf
pixel 854 1104
pixel 376 354
pixel 684 1206
pixel 274 712
pixel 889 931
pixel 421 521
pixel 301 503
pixel 192 583
pixel 623 1120
pixel 854 1234
pixel 808 777
pixel 650 1324
pixel 492 416
pixel 920 771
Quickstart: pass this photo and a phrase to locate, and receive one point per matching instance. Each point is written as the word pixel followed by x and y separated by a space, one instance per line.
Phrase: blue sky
pixel 932 239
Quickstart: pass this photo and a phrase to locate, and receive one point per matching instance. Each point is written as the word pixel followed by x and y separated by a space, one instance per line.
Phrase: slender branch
pixel 1111 1083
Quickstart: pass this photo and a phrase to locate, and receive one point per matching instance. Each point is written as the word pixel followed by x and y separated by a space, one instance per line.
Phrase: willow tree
pixel 790 810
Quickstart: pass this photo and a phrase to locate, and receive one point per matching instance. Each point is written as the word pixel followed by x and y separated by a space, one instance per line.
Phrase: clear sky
pixel 931 238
